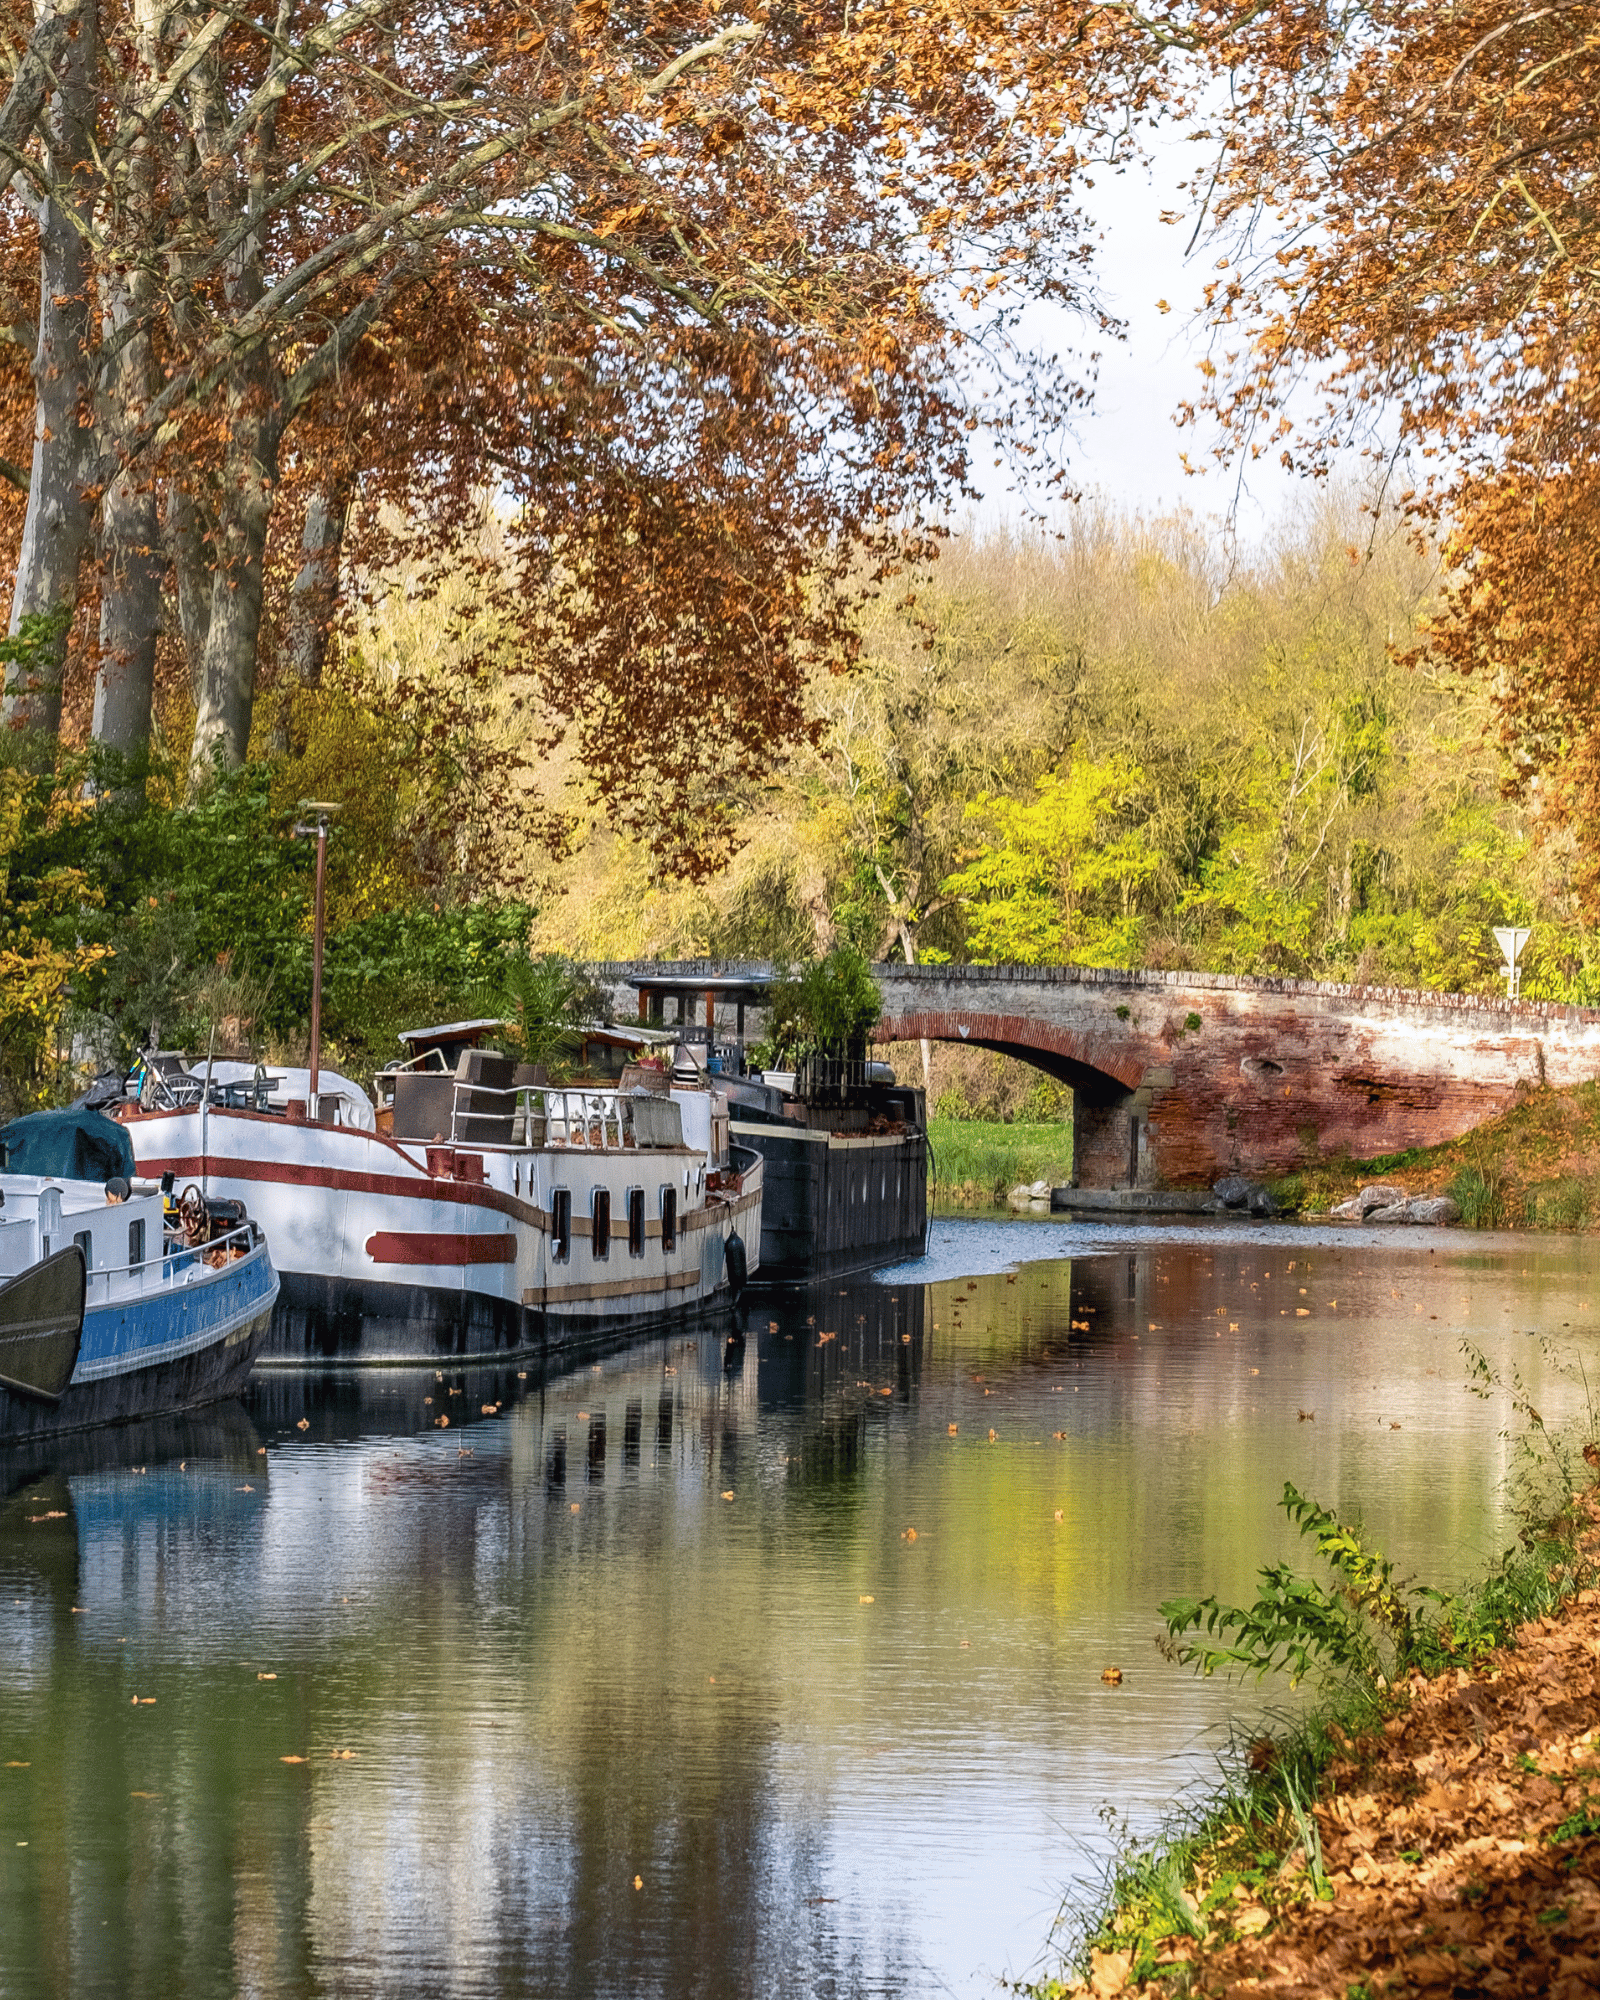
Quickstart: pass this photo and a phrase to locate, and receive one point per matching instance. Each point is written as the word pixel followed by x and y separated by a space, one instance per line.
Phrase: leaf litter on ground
pixel 1455 1849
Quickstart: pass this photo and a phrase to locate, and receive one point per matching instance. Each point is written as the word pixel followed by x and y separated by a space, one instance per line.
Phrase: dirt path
pixel 1461 1846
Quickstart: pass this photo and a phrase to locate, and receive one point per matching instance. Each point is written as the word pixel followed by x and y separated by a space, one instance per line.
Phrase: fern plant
pixel 1362 1623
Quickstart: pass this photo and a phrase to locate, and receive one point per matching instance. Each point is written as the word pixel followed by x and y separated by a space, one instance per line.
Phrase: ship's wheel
pixel 192 1213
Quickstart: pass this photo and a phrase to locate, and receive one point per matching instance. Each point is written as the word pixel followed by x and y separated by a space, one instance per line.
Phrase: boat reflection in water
pixel 805 1639
pixel 499 1730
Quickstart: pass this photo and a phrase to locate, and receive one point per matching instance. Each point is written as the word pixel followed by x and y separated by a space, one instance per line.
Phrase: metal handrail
pixel 573 1115
pixel 168 1261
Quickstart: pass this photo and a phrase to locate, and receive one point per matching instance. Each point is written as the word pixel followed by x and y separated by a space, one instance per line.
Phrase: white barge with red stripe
pixel 546 1218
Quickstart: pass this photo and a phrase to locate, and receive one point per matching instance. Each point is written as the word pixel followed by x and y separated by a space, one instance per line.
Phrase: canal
pixel 696 1674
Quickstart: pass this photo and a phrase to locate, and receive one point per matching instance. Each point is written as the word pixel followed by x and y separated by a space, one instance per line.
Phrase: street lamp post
pixel 319 833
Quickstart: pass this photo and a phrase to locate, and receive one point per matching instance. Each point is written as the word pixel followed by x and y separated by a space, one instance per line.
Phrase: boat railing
pixel 461 1112
pixel 108 1282
pixel 599 1119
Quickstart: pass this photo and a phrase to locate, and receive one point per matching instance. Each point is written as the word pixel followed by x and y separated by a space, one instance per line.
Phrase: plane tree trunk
pixel 58 528
pixel 131 557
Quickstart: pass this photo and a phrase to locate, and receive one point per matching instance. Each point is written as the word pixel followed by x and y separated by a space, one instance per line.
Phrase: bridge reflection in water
pixel 807 1638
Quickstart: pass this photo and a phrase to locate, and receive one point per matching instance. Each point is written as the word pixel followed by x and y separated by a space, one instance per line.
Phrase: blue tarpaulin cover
pixel 67 1145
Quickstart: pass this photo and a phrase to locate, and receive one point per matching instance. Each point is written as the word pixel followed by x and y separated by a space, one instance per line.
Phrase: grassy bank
pixel 1426 1822
pixel 1536 1166
pixel 976 1162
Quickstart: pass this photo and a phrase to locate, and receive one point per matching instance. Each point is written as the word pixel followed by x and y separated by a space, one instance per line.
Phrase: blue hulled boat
pixel 115 1305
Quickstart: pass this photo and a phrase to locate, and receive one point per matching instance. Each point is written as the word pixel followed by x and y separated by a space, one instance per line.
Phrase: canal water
pixel 697 1674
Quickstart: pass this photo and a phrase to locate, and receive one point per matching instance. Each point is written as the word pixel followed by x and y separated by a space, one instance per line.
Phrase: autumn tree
pixel 695 293
pixel 1405 196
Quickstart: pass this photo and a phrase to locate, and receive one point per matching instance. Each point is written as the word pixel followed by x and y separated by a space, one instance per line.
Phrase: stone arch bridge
pixel 1181 1076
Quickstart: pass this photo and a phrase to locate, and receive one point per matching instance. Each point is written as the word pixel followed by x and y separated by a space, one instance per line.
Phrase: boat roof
pixel 454 1031
pixel 751 988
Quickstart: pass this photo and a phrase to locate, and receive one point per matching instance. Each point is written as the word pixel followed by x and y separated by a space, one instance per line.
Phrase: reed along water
pixel 706 1673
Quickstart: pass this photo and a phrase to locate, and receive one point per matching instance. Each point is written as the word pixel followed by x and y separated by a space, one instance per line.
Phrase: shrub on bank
pixel 1248 1858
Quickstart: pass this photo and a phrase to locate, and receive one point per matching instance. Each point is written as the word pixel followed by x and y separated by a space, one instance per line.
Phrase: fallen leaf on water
pixel 868 1600
pixel 728 1495
pixel 824 1338
pixel 261 1451
pixel 583 1416
pixel 342 1756
pixel 1112 1676
pixel 992 1437
pixel 1308 1416
pixel 56 1514
pixel 144 1701
pixel 1302 1312
pixel 304 1424
pixel 886 1392
pixel 1059 1514
pixel 638 1881
pixel 489 1409
pixel 16 1765
pixel 291 1760
pixel 441 1423
pixel 669 1371
pixel 965 1644
pixel 244 1489
pixel 1233 1326
pixel 144 1795
pixel 575 1506
pixel 1394 1427
pixel 266 1677
pixel 910 1535
pixel 522 1374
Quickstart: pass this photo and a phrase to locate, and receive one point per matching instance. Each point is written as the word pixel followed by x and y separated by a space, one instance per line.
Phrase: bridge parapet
pixel 1180 1076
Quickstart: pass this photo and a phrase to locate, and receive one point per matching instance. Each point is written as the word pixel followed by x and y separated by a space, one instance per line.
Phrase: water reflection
pixel 703 1670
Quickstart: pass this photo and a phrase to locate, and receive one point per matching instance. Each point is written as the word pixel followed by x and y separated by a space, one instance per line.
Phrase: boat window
pixel 669 1218
pixel 561 1224
pixel 600 1222
pixel 136 1243
pixel 85 1242
pixel 636 1221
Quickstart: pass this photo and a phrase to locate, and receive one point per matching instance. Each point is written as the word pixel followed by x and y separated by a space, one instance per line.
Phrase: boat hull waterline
pixel 393 1252
pixel 191 1339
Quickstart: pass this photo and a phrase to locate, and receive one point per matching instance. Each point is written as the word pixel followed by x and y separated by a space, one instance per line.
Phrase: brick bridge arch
pixel 1178 1077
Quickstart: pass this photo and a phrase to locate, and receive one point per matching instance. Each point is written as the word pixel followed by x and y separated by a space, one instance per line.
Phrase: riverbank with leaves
pixel 1431 1825
pixel 1536 1166
pixel 1451 1847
